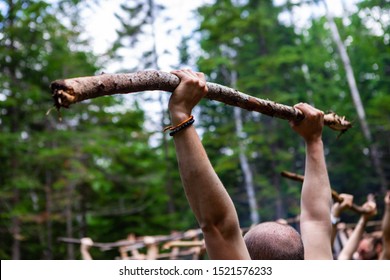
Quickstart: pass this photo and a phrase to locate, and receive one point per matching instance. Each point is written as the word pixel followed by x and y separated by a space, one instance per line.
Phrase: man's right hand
pixel 310 128
pixel 186 96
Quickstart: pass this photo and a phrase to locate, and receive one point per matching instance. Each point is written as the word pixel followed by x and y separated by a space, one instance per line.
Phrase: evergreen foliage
pixel 105 172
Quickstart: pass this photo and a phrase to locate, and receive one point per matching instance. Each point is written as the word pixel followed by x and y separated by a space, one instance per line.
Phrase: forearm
pixel 315 205
pixel 353 241
pixel 208 199
pixel 316 192
pixel 85 254
pixel 198 177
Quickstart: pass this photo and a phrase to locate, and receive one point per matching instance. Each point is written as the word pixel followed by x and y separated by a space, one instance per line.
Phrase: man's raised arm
pixel 357 234
pixel 316 192
pixel 208 199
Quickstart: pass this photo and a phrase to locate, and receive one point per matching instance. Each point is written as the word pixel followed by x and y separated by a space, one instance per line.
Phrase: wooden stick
pixel 70 91
pixel 181 243
pixel 335 195
pixel 134 244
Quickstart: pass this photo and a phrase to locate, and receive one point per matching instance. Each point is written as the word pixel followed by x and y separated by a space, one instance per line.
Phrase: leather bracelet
pixel 181 126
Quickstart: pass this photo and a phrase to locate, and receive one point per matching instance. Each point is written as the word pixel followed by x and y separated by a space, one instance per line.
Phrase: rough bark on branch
pixel 335 195
pixel 69 91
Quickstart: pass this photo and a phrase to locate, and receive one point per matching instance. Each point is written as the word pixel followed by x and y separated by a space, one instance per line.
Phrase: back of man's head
pixel 274 241
pixel 369 248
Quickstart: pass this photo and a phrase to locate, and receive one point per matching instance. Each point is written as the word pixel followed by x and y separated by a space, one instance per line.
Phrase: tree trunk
pixel 49 209
pixel 164 116
pixel 69 91
pixel 356 99
pixel 14 114
pixel 16 229
pixel 246 170
pixel 280 211
pixel 69 219
pixel 83 210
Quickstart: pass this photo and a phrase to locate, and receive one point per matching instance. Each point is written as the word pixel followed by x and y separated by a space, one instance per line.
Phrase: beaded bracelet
pixel 180 126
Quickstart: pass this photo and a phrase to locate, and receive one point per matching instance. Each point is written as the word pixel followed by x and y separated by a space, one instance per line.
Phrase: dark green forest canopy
pixel 107 171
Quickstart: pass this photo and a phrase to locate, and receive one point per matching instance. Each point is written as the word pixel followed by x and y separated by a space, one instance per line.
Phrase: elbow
pixel 225 227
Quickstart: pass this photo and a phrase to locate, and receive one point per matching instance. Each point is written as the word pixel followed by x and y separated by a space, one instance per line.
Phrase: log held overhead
pixel 69 91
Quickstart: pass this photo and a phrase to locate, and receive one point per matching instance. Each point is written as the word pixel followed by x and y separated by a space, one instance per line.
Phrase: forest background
pixel 107 169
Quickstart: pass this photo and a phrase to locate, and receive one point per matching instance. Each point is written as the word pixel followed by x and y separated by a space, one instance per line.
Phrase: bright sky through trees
pixel 100 22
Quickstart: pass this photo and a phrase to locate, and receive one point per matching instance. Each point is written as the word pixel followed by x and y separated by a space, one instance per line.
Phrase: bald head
pixel 274 241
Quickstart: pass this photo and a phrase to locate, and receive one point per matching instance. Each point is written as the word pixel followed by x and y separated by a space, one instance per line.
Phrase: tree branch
pixel 135 244
pixel 70 91
pixel 336 197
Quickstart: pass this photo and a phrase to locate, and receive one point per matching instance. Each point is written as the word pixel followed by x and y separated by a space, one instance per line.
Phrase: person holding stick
pixel 369 246
pixel 213 207
pixel 355 242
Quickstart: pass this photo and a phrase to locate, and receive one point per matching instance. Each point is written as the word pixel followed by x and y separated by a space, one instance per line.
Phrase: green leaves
pixel 274 62
pixel 98 155
pixel 105 171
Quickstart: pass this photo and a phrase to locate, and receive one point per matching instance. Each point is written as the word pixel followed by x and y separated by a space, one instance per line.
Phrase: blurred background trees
pixel 105 170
